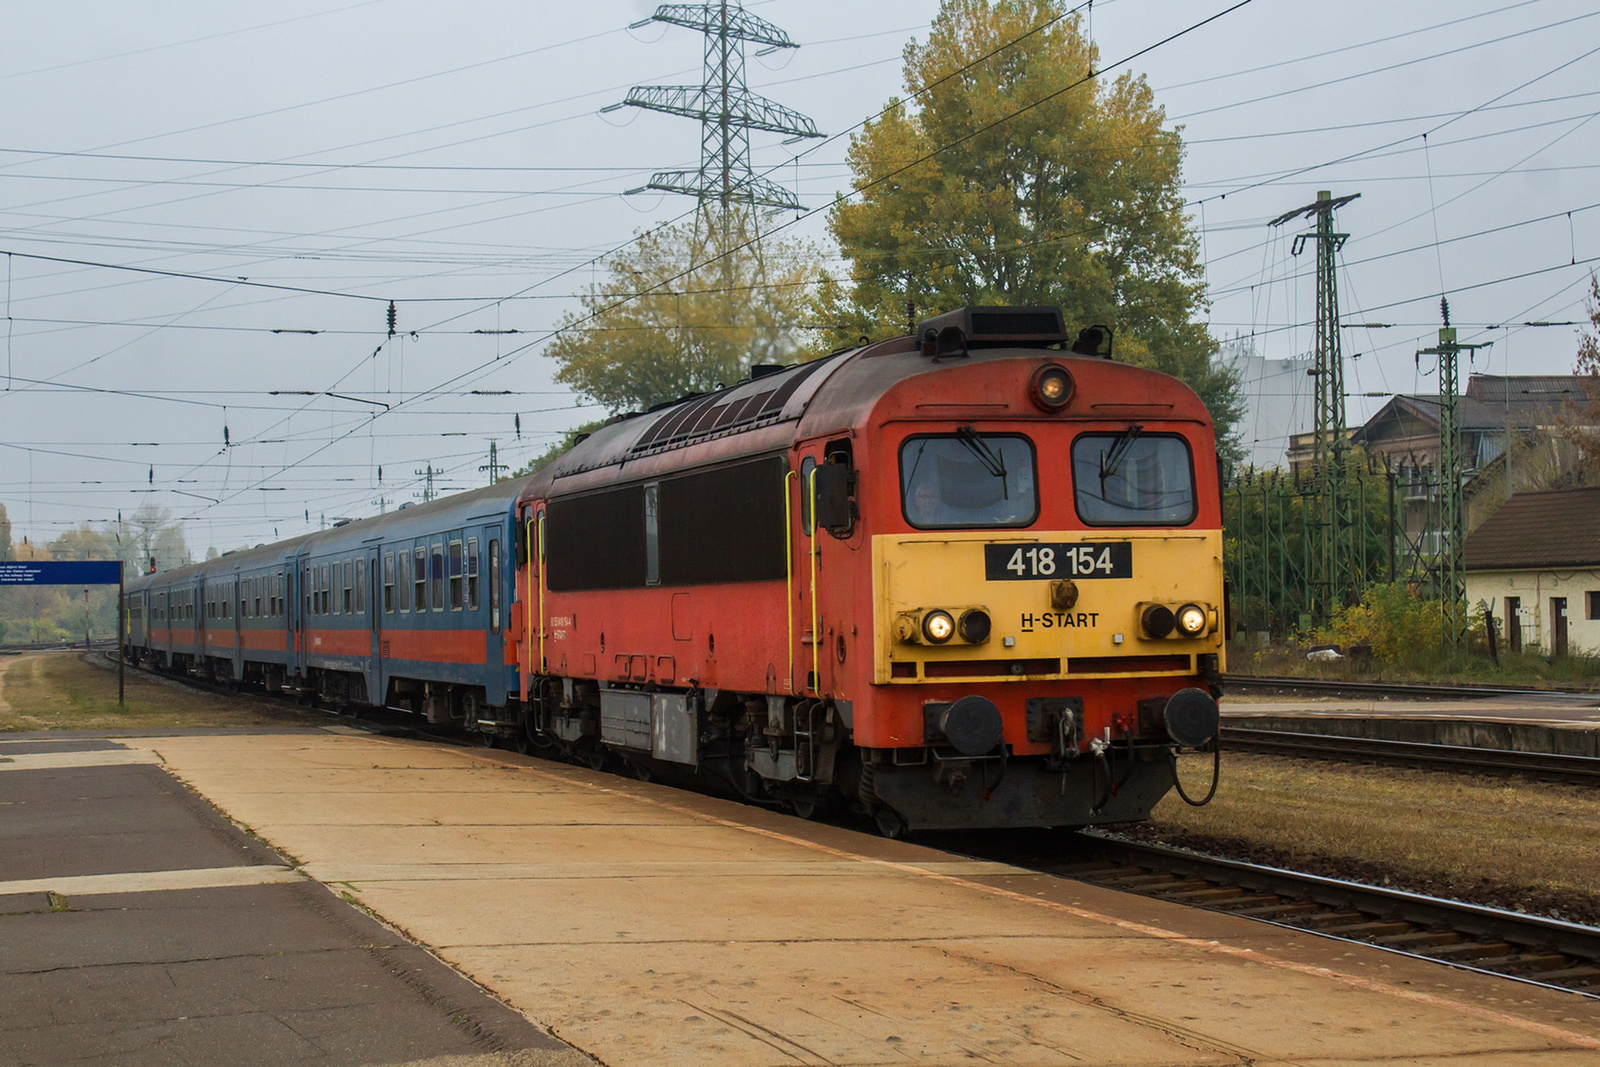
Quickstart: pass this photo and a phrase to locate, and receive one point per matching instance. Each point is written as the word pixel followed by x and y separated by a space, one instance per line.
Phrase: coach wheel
pixel 641 772
pixel 890 824
pixel 805 809
pixel 596 758
pixel 489 738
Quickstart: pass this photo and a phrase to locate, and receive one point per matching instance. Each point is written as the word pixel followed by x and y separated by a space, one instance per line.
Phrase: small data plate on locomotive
pixel 1042 562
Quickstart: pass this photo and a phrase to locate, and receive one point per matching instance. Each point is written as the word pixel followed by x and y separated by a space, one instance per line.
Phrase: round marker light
pixel 1157 620
pixel 974 626
pixel 1051 387
pixel 937 626
pixel 1192 620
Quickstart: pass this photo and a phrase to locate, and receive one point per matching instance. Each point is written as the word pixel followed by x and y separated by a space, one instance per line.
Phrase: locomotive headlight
pixel 1157 621
pixel 937 626
pixel 1191 620
pixel 1051 387
pixel 974 626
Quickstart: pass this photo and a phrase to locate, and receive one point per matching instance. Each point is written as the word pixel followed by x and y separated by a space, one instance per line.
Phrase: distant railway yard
pixel 1458 902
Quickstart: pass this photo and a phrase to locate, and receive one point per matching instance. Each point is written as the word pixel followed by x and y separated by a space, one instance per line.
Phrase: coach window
pixel 419 576
pixel 652 533
pixel 472 574
pixel 349 587
pixel 361 587
pixel 966 479
pixel 494 586
pixel 326 588
pixel 455 576
pixel 1133 479
pixel 388 583
pixel 305 590
pixel 436 573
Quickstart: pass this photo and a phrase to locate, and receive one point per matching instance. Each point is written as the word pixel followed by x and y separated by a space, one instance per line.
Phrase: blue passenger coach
pixel 407 610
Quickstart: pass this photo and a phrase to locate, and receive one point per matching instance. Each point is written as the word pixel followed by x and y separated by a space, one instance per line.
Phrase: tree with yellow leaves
pixel 1024 178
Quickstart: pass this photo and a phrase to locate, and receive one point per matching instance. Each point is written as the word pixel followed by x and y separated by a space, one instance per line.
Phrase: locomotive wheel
pixel 488 737
pixel 596 759
pixel 641 772
pixel 524 742
pixel 890 824
pixel 805 809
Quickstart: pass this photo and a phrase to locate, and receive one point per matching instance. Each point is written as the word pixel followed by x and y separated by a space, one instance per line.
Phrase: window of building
pixel 472 574
pixel 455 576
pixel 1593 597
pixel 388 583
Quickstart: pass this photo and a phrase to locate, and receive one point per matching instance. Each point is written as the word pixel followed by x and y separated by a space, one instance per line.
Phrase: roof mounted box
pixel 956 332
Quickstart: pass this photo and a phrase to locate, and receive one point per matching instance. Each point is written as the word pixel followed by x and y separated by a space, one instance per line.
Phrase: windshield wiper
pixel 1110 461
pixel 991 460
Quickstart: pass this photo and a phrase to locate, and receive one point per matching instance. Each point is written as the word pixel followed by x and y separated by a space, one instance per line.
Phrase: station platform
pixel 646 925
pixel 1566 724
pixel 1547 709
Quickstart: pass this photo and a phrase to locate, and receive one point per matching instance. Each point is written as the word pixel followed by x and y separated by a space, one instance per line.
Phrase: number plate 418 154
pixel 1084 559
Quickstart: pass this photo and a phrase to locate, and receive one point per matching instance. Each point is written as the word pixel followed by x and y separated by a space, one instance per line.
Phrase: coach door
pixel 372 584
pixel 300 579
pixel 486 603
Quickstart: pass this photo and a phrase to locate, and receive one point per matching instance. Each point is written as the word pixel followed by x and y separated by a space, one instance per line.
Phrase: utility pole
pixel 1330 560
pixel 494 466
pixel 427 485
pixel 1452 574
pixel 383 503
pixel 725 107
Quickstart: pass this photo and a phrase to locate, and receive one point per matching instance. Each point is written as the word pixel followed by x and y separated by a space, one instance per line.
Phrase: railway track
pixel 1414 690
pixel 1526 948
pixel 1547 766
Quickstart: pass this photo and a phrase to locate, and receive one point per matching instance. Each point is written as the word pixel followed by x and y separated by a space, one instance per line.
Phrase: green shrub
pixel 1400 626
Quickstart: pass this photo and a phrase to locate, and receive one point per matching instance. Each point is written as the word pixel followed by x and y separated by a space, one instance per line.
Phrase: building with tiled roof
pixel 1535 565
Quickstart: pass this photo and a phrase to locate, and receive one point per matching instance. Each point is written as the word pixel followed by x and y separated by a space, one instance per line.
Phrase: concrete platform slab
pixel 127 948
pixel 652 926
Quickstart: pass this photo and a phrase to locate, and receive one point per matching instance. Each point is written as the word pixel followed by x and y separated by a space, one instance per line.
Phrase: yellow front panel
pixel 914 573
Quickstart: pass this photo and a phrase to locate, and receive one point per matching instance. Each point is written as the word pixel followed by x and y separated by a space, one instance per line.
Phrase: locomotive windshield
pixel 948 481
pixel 1133 479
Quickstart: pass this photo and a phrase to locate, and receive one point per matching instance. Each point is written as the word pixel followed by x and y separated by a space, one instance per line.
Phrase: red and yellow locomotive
pixel 967 578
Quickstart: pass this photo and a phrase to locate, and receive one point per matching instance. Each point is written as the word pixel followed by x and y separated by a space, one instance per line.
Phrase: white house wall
pixel 1535 588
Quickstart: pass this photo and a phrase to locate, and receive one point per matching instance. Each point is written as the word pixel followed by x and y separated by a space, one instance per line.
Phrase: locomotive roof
pixel 767 414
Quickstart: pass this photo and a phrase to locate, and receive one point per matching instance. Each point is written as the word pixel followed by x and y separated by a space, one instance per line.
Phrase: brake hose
pixel 1216 773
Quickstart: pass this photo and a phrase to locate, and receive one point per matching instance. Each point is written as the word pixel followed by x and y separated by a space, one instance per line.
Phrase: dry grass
pixel 59 690
pixel 1508 839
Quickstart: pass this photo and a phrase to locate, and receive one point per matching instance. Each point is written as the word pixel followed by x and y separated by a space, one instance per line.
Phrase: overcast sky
pixel 452 157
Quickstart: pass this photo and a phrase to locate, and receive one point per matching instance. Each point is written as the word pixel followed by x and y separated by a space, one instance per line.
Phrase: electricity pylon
pixel 428 475
pixel 1330 559
pixel 494 466
pixel 1452 572
pixel 725 107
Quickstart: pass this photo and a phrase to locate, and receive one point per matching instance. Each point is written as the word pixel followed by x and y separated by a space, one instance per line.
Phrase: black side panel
pixel 724 525
pixel 596 541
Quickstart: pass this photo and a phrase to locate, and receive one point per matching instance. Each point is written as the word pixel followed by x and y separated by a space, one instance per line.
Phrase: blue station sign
pixel 70 572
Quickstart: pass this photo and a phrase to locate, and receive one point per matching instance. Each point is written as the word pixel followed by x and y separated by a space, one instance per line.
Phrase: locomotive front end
pixel 1047 593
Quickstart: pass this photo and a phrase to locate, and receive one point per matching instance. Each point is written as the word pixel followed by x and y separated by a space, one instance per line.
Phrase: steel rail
pixel 1554 765
pixel 1550 953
